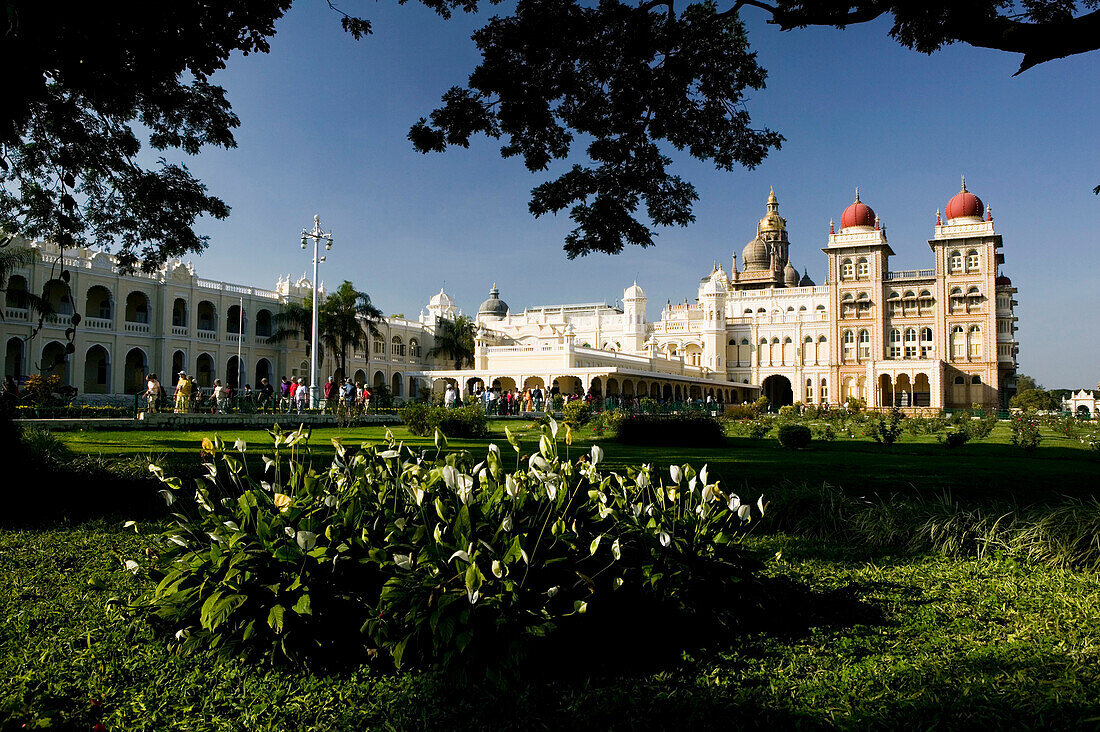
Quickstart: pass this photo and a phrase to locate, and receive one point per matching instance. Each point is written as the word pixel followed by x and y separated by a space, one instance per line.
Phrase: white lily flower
pixel 306 540
pixel 744 514
pixel 675 473
pixel 132 566
pixel 735 502
pixel 289 531
pixel 506 524
pixel 596 455
pixel 511 487
pixel 552 591
pixel 404 561
pixel 240 445
pixel 461 555
pixel 665 538
pixel 760 504
pixel 498 569
pixel 494 449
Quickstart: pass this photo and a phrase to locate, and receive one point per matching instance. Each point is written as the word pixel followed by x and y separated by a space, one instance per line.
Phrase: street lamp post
pixel 317 235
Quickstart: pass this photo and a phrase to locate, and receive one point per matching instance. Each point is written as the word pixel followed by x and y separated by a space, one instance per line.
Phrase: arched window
pixel 958 342
pixel 847 305
pixel 895 343
pixel 748 311
pixel 808 350
pixel 926 344
pixel 863 304
pixel 847 270
pixel 802 309
pixel 976 342
pixel 820 307
pixel 896 306
pixel 955 262
pixel 910 342
pixel 379 348
pixel 973 299
pixel 975 379
pixel 972 260
pixel 809 391
pixel 848 353
pixel 414 348
pixel 397 346
pixel 863 269
pixel 824 395
pixel 958 303
pixel 761 311
pixel 790 308
pixel 864 344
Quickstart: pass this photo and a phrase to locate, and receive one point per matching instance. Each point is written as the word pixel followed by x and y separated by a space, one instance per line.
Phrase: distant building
pixel 1083 403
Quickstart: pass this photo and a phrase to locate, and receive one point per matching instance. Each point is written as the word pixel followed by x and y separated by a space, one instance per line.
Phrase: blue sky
pixel 324 123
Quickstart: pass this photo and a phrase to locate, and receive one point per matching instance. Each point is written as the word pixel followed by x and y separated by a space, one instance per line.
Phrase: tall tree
pixel 632 79
pixel 347 318
pixel 454 340
pixel 10 258
pixel 295 322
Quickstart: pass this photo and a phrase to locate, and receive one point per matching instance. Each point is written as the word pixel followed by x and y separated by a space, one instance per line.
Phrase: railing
pixel 206 335
pixel 179 330
pixel 911 274
pixel 16 313
pixel 60 319
pixel 236 289
pixel 235 338
pixel 99 323
pixel 137 327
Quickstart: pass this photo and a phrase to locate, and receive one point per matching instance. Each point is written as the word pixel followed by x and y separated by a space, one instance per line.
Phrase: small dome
pixel 790 276
pixel 755 255
pixel 1002 280
pixel 634 293
pixel 713 287
pixel 494 307
pixel 441 300
pixel 964 204
pixel 806 281
pixel 858 214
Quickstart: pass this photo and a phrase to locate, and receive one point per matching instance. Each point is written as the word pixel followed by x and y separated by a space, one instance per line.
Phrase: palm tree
pixel 10 258
pixel 455 341
pixel 294 322
pixel 347 318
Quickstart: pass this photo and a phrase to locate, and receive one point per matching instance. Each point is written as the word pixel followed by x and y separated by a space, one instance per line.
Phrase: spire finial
pixel 963 185
pixel 939 221
pixel 832 226
pixel 857 194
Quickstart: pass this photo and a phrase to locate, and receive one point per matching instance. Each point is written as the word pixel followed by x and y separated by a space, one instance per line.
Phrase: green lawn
pixel 937 643
pixel 992 468
pixel 870 638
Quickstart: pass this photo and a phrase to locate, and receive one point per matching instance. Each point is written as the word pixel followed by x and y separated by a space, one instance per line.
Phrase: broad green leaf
pixel 303 607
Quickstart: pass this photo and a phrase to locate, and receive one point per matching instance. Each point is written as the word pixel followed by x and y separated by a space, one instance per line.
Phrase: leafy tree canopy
pixel 632 80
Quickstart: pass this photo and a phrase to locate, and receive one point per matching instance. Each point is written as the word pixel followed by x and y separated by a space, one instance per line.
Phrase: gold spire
pixel 964 185
pixel 771 195
pixel 857 194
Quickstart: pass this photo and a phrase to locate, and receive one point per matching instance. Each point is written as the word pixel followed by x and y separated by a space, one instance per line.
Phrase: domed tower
pixel 964 207
pixel 634 323
pixel 493 308
pixel 442 305
pixel 712 298
pixel 790 275
pixel 858 216
pixel 764 259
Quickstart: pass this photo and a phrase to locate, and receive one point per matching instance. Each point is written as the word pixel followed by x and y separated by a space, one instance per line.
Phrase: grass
pixel 988 469
pixel 942 643
pixel 882 633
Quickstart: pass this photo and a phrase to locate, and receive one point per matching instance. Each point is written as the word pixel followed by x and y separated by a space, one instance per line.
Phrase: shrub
pixel 913 425
pixel 794 436
pixel 693 428
pixel 981 427
pixel 423 420
pixel 608 421
pixel 443 563
pixel 824 432
pixel 854 405
pixel 755 429
pixel 1025 430
pixel 740 411
pixel 788 410
pixel 954 438
pixel 886 430
pixel 577 413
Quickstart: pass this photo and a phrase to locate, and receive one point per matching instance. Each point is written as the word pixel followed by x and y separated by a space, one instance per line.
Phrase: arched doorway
pixel 208 316
pixel 55 361
pixel 903 391
pixel 596 387
pixel 379 378
pixel 178 361
pixel 886 391
pixel 137 308
pixel 97 371
pixel 263 371
pixel 778 390
pixel 1082 412
pixel 504 383
pixel 395 385
pixel 534 382
pixel 13 359
pixel 666 393
pixel 98 303
pixel 233 373
pixel 567 385
pixel 360 377
pixel 922 391
pixel 204 370
pixel 137 366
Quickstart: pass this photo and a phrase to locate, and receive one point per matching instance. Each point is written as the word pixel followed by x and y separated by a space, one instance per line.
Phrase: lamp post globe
pixel 317 235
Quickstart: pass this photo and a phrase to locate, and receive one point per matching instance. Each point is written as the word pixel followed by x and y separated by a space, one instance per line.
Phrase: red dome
pixel 858 214
pixel 964 203
pixel 1002 280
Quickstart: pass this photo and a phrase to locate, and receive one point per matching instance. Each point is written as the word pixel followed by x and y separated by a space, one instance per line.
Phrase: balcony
pixel 16 313
pixel 911 274
pixel 61 320
pixel 206 335
pixel 98 323
pixel 235 338
pixel 179 330
pixel 131 327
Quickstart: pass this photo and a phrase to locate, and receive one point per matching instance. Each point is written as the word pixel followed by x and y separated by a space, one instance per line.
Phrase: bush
pixel 886 430
pixel 954 438
pixel 982 427
pixel 608 421
pixel 788 410
pixel 755 429
pixel 691 429
pixel 824 432
pixel 794 436
pixel 422 420
pixel 1025 431
pixel 577 413
pixel 421 562
pixel 740 411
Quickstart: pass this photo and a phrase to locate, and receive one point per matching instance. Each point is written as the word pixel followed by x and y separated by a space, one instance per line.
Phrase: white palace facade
pixel 941 337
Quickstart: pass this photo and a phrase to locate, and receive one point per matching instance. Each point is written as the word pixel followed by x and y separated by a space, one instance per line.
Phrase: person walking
pixel 217 401
pixel 266 393
pixel 301 395
pixel 284 395
pixel 449 397
pixel 329 386
pixel 183 393
pixel 152 393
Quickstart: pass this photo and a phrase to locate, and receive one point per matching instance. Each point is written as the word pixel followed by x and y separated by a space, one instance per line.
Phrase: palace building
pixel 941 337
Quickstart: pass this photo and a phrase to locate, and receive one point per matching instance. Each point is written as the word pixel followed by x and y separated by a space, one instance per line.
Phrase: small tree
pixel 886 430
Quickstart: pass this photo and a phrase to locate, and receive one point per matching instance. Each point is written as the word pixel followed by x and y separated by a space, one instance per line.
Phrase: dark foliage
pixel 422 420
pixel 700 430
pixel 794 436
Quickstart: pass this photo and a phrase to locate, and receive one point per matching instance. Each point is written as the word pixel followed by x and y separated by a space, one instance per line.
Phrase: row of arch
pixel 776 352
pixel 398 347
pixel 600 387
